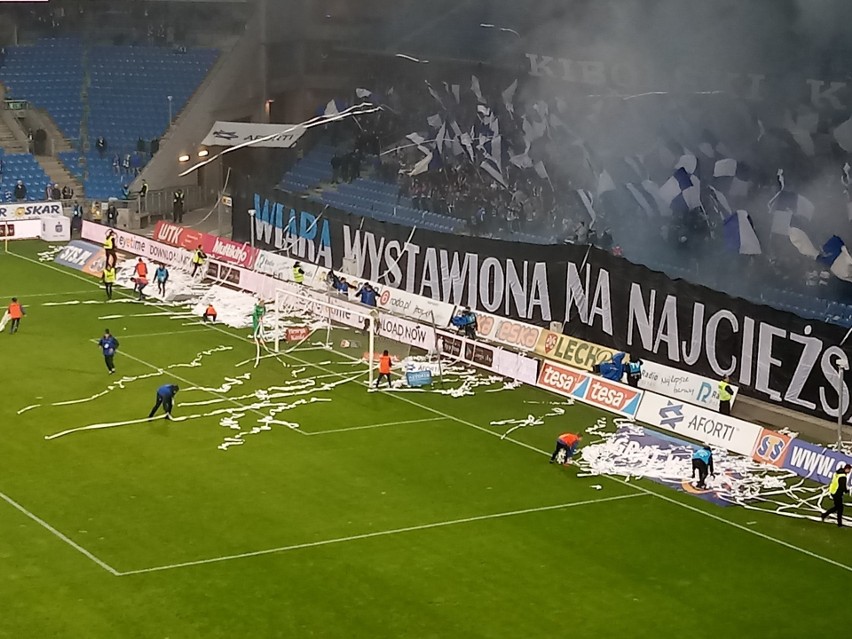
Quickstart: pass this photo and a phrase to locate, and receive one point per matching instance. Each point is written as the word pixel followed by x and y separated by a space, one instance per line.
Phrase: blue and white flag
pixel 796 204
pixel 835 255
pixel 732 177
pixel 739 234
pixel 682 192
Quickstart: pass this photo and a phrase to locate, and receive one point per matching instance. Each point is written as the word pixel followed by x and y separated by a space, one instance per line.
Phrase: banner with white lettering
pixel 278 136
pixel 602 300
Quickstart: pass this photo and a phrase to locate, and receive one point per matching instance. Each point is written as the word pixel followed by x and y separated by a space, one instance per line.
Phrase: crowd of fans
pixel 557 186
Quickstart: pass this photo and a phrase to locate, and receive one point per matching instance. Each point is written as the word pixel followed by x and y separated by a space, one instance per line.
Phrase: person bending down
pixel 702 461
pixel 567 442
pixel 165 398
pixel 209 314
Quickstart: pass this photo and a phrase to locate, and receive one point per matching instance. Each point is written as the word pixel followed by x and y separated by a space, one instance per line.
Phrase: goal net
pixel 303 318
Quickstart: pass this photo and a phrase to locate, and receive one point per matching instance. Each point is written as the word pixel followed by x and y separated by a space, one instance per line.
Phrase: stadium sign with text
pixel 29 210
pixel 572 351
pixel 278 136
pixel 698 423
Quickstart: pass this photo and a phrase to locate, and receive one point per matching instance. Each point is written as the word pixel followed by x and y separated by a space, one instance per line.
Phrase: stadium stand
pixel 24 167
pixel 123 93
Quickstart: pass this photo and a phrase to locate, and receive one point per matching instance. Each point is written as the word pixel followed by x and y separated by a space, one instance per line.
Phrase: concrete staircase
pixel 8 141
pixel 58 174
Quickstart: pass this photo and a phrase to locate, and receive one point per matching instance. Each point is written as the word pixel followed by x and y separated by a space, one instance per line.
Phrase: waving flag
pixel 835 255
pixel 802 242
pixel 740 236
pixel 785 204
pixel 682 192
pixel 732 177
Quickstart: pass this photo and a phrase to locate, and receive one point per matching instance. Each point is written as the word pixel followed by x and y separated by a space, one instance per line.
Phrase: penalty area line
pixel 380 533
pixel 41 522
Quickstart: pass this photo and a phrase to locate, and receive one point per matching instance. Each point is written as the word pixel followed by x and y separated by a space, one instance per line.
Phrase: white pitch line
pixel 369 426
pixel 636 487
pixel 59 535
pixel 380 533
pixel 402 398
pixel 122 336
pixel 26 296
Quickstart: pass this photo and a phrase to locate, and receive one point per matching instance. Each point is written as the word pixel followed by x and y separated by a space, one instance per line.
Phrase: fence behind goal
pixel 303 315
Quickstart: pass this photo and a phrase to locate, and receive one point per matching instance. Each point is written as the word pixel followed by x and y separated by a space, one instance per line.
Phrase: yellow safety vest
pixel 196 258
pixel 834 486
pixel 108 243
pixel 724 395
pixel 109 275
pixel 298 275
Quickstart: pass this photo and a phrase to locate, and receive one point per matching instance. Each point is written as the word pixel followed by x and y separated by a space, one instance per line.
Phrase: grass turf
pixel 367 527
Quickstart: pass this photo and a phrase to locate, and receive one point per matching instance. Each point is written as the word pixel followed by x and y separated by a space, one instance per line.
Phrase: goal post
pixel 296 309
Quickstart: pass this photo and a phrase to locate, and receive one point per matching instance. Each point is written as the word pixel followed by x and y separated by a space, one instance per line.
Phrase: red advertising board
pixel 298 333
pixel 179 236
pixel 560 379
pixel 217 248
pixel 611 396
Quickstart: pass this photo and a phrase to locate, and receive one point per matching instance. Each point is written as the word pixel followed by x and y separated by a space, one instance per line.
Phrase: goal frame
pixel 297 299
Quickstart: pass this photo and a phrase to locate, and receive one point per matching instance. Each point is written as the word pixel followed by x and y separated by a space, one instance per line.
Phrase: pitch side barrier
pixel 668 399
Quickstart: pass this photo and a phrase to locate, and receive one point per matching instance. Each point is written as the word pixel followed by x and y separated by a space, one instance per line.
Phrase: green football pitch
pixel 399 514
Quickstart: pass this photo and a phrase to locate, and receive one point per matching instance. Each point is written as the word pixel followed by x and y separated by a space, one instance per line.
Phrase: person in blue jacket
pixel 165 398
pixel 613 369
pixel 108 345
pixel 702 461
pixel 367 294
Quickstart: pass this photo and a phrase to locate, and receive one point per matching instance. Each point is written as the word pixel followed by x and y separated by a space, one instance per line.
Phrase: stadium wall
pixel 773 356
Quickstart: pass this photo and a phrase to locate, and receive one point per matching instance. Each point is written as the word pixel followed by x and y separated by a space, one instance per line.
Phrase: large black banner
pixel 771 355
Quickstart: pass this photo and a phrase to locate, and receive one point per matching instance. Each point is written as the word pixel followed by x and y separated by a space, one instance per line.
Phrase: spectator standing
pixel 48 191
pixel 112 215
pixel 67 192
pixel 55 192
pixel 20 191
pixel 177 206
pixel 116 164
pixel 77 217
pixel 101 146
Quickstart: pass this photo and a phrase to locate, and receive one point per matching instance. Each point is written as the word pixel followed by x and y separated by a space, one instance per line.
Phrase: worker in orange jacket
pixel 384 369
pixel 567 442
pixel 209 314
pixel 15 312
